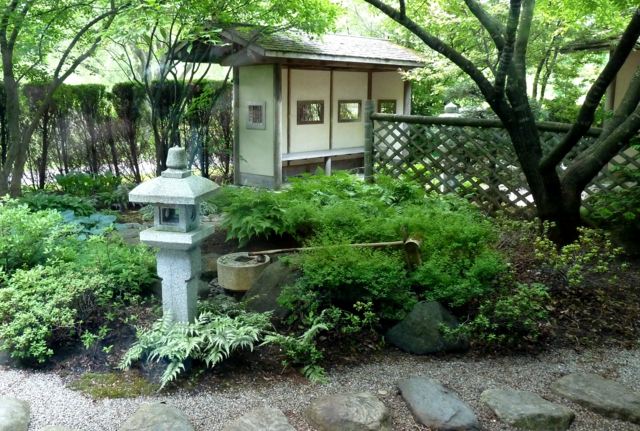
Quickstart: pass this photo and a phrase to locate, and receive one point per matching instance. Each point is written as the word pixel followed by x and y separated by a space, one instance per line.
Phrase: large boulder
pixel 349 412
pixel 527 411
pixel 157 417
pixel 264 292
pixel 261 419
pixel 420 332
pixel 435 406
pixel 603 396
pixel 14 414
pixel 55 428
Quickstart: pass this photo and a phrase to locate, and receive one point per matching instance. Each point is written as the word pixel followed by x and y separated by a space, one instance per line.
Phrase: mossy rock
pixel 113 385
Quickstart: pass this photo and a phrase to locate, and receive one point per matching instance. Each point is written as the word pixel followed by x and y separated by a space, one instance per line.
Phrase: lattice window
pixel 256 116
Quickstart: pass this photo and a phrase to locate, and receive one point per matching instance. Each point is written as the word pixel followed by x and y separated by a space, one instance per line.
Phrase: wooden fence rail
pixel 471 157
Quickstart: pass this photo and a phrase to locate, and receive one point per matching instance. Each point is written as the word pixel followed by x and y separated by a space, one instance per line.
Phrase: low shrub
pixel 592 253
pixel 62 281
pixel 514 317
pixel 87 185
pixel 342 276
pixel 129 268
pixel 38 201
pixel 28 238
pixel 44 307
pixel 618 208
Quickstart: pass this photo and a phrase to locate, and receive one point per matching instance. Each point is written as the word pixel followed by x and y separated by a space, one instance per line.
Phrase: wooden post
pixel 277 130
pixel 368 141
pixel 236 125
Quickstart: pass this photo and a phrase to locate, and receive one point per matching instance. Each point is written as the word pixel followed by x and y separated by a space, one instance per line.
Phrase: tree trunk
pixel 112 147
pixel 42 163
pixel 130 131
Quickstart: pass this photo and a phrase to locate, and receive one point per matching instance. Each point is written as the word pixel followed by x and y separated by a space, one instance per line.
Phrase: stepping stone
pixel 603 396
pixel 420 332
pixel 157 417
pixel 435 406
pixel 526 410
pixel 349 412
pixel 262 419
pixel 14 414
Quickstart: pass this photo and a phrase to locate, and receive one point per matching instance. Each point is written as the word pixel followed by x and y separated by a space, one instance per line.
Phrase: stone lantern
pixel 176 231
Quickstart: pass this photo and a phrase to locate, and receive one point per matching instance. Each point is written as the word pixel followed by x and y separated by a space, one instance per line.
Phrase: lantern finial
pixel 177 158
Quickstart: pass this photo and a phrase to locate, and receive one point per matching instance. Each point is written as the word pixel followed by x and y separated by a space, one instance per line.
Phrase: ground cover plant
pixel 60 283
pixel 460 265
pixel 509 285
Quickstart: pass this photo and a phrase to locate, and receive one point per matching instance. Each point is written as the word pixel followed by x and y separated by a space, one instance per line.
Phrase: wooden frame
pixel 299 112
pixel 384 101
pixel 350 120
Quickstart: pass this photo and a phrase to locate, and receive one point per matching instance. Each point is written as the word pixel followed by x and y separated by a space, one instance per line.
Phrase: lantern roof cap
pixel 176 185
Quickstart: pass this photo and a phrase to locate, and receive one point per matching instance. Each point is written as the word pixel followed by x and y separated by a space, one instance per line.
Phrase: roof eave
pixel 342 59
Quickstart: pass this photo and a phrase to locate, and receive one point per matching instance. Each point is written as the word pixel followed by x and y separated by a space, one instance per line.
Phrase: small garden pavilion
pixel 299 101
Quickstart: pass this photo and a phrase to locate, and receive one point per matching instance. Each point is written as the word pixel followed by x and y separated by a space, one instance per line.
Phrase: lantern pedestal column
pixel 180 273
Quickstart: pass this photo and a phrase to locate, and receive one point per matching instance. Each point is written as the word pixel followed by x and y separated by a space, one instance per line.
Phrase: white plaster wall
pixel 256 145
pixel 624 76
pixel 388 86
pixel 308 85
pixel 348 86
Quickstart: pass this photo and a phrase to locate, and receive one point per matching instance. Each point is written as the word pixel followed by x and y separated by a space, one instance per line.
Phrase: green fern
pixel 302 350
pixel 211 339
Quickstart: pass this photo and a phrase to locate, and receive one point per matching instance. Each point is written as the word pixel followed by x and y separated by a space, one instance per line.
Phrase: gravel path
pixel 209 409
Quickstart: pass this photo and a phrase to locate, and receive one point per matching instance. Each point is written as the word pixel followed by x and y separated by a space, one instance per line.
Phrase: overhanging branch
pixel 439 46
pixel 586 114
pixel 493 26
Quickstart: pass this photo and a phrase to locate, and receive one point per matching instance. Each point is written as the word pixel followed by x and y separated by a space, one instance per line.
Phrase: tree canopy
pixel 509 40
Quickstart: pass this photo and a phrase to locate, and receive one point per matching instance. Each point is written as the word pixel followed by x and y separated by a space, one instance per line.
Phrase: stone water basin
pixel 238 271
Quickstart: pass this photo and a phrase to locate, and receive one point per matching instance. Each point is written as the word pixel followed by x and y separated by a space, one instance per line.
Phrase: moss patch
pixel 113 385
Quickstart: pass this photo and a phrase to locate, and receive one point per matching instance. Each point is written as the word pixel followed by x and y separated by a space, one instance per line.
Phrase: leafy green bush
pixel 46 306
pixel 129 269
pixel 39 201
pixel 81 184
pixel 27 238
pixel 211 339
pixel 251 213
pixel 106 190
pixel 46 266
pixel 510 317
pixel 343 276
pixel 619 208
pixel 592 253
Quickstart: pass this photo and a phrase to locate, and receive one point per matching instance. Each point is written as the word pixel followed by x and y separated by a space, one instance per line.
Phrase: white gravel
pixel 209 406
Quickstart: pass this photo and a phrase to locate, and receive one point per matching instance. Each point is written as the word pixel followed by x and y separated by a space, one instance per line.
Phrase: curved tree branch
pixel 446 50
pixel 506 56
pixel 493 27
pixel 586 114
